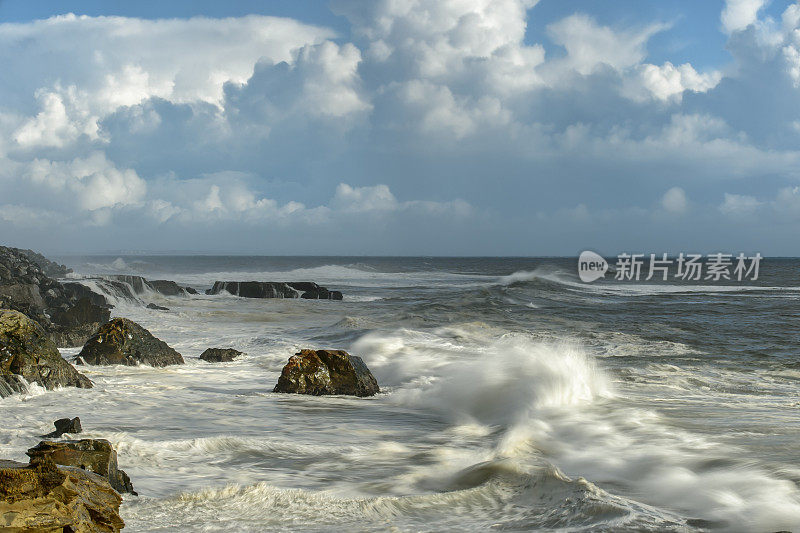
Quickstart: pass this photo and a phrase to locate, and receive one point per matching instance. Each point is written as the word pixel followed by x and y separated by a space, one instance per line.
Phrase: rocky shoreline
pixel 75 485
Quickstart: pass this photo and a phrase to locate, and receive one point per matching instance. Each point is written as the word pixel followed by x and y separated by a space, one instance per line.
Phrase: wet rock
pixel 79 290
pixel 65 425
pixel 26 288
pixel 190 290
pixel 142 285
pixel 272 289
pixel 220 355
pixel 78 323
pixel 41 497
pixel 94 455
pixel 124 342
pixel 26 351
pixel 320 372
pixel 157 307
pixel 50 268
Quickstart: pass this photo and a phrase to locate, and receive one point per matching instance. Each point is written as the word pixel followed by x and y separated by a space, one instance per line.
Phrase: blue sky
pixel 509 127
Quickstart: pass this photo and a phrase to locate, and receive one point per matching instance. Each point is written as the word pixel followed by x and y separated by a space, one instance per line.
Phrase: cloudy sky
pixel 397 127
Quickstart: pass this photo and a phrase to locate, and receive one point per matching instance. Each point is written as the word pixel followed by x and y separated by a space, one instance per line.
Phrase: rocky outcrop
pixel 26 351
pixel 157 307
pixel 65 425
pixel 124 342
pixel 26 288
pixel 142 285
pixel 94 455
pixel 41 497
pixel 321 372
pixel 273 289
pixel 220 355
pixel 50 268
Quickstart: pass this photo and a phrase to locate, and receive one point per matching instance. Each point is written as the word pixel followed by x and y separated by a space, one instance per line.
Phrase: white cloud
pixel 669 81
pixel 92 182
pixel 590 45
pixel 739 14
pixel 739 204
pixel 674 200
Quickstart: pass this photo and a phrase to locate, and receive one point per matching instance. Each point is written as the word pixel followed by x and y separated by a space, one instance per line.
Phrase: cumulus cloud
pixel 674 200
pixel 739 14
pixel 423 111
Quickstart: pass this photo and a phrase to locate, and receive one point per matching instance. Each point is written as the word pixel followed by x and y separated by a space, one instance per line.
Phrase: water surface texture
pixel 514 398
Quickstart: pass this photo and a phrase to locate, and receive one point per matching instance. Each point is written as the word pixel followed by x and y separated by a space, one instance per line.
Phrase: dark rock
pixel 190 290
pixel 94 455
pixel 254 289
pixel 24 287
pixel 27 351
pixel 50 268
pixel 124 342
pixel 41 497
pixel 272 289
pixel 83 312
pixel 79 290
pixel 157 307
pixel 167 288
pixel 141 285
pixel 65 425
pixel 220 355
pixel 319 372
pixel 75 336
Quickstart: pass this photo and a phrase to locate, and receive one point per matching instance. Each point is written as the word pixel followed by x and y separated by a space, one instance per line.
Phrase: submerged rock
pixel 41 497
pixel 320 372
pixel 27 352
pixel 157 307
pixel 275 289
pixel 220 355
pixel 124 342
pixel 65 425
pixel 94 455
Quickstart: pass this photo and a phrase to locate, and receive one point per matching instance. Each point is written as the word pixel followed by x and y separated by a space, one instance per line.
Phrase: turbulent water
pixel 514 398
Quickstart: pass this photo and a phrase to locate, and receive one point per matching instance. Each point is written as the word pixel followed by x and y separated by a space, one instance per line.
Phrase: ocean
pixel 514 398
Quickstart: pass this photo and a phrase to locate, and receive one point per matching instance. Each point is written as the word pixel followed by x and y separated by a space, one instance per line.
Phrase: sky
pixel 400 127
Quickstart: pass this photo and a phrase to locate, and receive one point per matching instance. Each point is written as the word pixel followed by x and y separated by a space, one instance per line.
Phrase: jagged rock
pixel 124 342
pixel 220 355
pixel 26 351
pixel 79 290
pixel 65 425
pixel 79 323
pixel 157 307
pixel 24 287
pixel 94 455
pixel 142 285
pixel 50 268
pixel 41 497
pixel 272 289
pixel 320 372
pixel 190 290
pixel 254 289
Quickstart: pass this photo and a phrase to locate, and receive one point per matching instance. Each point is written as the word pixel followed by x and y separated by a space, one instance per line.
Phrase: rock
pixel 83 312
pixel 26 351
pixel 94 455
pixel 190 290
pixel 141 285
pixel 272 289
pixel 65 425
pixel 157 307
pixel 320 372
pixel 41 497
pixel 24 287
pixel 50 268
pixel 124 342
pixel 254 289
pixel 79 290
pixel 220 355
